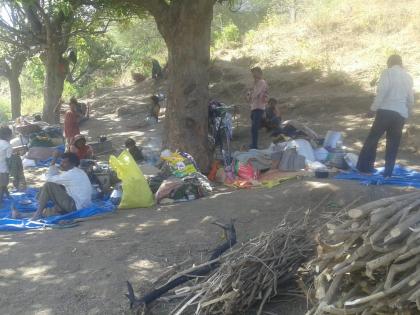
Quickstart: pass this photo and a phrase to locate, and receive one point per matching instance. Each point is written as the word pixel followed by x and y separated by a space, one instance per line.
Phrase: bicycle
pixel 220 130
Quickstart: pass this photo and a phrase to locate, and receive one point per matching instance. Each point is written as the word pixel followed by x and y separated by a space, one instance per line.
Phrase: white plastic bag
pixel 351 160
pixel 332 138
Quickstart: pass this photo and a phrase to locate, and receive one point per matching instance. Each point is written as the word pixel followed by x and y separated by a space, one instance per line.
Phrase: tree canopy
pixel 47 27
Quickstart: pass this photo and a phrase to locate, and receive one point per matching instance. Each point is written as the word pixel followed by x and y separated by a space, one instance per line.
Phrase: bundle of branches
pixel 253 272
pixel 369 263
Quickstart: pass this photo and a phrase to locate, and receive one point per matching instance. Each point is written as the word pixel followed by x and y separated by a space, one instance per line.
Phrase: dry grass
pixel 351 36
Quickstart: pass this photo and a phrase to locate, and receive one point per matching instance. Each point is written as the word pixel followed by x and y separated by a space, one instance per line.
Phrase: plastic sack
pixel 332 138
pixel 321 154
pixel 351 160
pixel 180 165
pixel 246 171
pixel 136 191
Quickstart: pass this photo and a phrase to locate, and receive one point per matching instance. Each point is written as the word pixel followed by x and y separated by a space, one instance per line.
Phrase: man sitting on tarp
pixel 69 190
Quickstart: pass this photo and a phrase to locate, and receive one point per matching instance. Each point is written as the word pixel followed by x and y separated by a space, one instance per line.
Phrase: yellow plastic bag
pixel 136 191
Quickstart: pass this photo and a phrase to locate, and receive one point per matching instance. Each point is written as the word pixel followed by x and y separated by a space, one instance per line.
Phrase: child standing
pixel 5 154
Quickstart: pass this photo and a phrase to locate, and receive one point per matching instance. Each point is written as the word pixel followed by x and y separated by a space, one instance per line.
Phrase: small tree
pixel 11 65
pixel 14 51
pixel 49 25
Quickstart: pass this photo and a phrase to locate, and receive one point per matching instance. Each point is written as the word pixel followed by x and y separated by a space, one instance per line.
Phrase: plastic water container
pixel 96 191
pixel 116 195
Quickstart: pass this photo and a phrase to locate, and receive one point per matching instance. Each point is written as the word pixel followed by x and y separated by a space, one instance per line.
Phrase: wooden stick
pixel 384 293
pixel 404 226
pixel 395 269
pixel 367 208
pixel 383 260
pixel 195 297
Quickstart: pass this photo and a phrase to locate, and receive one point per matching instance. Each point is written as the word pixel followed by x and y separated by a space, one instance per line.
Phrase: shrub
pixel 5 113
pixel 227 36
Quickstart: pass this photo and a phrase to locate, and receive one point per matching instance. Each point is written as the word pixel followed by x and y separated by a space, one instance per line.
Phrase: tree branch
pixel 155 7
pixel 86 30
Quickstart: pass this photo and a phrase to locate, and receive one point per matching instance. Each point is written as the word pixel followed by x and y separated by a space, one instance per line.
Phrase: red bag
pixel 247 171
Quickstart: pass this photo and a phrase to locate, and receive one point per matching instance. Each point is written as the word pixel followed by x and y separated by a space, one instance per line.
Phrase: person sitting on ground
pixel 69 190
pixel 5 155
pixel 155 107
pixel 134 150
pixel 273 117
pixel 71 122
pixel 80 148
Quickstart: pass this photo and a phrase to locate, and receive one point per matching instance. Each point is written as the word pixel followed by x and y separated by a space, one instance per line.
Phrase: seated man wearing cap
pixel 80 148
pixel 69 190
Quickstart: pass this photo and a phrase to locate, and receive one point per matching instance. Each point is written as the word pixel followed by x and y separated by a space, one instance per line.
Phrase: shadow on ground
pixel 83 270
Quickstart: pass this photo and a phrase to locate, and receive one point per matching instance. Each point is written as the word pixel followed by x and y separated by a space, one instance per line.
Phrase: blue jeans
pixel 256 118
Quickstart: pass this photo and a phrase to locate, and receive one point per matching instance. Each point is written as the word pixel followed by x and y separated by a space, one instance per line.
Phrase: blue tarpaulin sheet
pixel 47 162
pixel 401 176
pixel 26 203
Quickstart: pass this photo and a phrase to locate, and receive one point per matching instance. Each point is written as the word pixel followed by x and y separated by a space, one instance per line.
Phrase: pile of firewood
pixel 252 273
pixel 369 261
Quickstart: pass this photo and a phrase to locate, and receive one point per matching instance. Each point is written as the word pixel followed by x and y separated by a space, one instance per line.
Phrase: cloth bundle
pixel 183 189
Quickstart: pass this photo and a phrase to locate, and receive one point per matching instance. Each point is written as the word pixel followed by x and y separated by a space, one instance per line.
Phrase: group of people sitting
pixel 68 186
pixel 69 189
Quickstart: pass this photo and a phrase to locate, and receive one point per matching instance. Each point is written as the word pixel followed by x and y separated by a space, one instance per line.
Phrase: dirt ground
pixel 82 270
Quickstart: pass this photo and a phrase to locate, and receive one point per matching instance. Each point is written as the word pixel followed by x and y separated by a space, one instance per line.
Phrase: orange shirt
pixel 71 125
pixel 84 152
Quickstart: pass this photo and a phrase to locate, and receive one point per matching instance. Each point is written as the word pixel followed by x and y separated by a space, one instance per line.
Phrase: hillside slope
pixel 325 66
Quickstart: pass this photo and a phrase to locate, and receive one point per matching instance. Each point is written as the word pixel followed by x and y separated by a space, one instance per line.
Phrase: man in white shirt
pixel 393 104
pixel 69 190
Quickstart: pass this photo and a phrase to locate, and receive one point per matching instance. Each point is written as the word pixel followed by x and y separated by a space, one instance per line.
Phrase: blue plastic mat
pixel 47 162
pixel 401 176
pixel 26 203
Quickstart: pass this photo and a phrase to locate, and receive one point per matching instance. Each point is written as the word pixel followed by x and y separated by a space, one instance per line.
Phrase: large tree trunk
pixel 12 70
pixel 15 90
pixel 56 69
pixel 187 35
pixel 15 95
